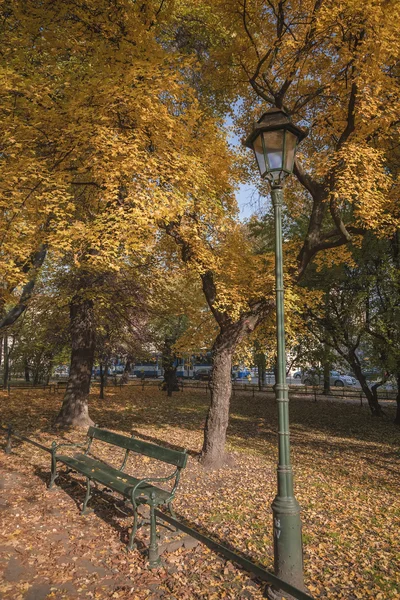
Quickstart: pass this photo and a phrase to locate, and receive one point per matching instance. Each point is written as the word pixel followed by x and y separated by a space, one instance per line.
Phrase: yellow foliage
pixel 104 137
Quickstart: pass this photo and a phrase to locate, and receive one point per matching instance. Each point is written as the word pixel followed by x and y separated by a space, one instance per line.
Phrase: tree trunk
pixel 6 371
pixel 261 368
pixel 26 370
pixel 127 370
pixel 49 370
pixel 169 366
pixel 372 398
pixel 397 417
pixel 102 381
pixel 74 411
pixel 213 454
pixel 171 382
pixel 327 379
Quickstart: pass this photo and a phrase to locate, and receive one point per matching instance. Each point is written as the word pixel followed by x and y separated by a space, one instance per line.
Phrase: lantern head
pixel 274 141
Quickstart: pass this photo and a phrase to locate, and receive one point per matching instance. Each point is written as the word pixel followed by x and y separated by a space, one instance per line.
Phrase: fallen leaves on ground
pixel 347 480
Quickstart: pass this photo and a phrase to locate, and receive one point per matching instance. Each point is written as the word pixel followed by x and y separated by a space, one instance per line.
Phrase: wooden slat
pixel 173 457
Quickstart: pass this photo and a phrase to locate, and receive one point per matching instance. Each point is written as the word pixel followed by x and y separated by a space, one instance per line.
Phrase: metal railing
pixel 215 546
pixel 253 388
pixel 229 554
pixel 11 432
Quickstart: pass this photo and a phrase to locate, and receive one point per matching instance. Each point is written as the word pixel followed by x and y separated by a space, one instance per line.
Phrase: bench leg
pixel 54 473
pixel 131 544
pixel 154 558
pixel 84 510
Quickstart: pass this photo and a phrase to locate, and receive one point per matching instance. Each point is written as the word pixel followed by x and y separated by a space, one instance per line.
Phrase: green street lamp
pixel 274 140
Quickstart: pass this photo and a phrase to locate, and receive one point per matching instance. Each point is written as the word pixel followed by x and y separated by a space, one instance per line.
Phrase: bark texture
pixel 213 453
pixel 74 411
pixel 371 395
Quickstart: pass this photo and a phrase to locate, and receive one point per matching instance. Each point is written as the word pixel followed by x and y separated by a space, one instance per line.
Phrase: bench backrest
pixel 173 457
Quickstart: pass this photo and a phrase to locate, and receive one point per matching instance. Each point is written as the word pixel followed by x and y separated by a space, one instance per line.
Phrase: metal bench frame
pixel 137 493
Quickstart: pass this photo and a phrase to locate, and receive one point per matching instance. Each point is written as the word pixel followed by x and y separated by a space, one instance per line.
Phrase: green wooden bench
pixel 137 491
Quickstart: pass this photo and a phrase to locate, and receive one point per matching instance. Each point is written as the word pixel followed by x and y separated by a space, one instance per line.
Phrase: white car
pixel 336 379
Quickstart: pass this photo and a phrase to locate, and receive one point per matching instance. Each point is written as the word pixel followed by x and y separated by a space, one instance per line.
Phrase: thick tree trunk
pixel 171 382
pixel 213 455
pixel 74 411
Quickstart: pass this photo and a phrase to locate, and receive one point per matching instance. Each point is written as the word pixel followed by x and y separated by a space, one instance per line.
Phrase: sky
pixel 247 196
pixel 249 201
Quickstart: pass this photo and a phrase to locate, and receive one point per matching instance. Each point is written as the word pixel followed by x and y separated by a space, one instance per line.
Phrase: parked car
pixel 336 379
pixel 202 374
pixel 61 371
pixel 297 375
pixel 96 371
pixel 373 374
pixel 241 373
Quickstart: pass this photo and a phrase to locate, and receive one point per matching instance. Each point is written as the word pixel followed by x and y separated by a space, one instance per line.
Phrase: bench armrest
pixel 55 446
pixel 152 480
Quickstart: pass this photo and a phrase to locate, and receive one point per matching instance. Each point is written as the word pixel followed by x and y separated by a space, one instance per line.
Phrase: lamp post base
pixel 288 547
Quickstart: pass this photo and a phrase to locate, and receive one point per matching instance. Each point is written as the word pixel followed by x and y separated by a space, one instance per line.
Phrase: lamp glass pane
pixel 273 141
pixel 259 152
pixel 290 149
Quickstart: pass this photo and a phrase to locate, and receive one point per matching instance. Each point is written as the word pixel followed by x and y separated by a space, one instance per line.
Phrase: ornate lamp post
pixel 274 140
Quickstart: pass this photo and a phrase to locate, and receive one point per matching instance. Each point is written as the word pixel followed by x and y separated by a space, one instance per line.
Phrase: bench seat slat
pixel 112 478
pixel 173 457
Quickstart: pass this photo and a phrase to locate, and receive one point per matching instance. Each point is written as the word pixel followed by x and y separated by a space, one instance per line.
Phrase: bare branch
pixel 338 220
pixel 306 180
pixel 17 310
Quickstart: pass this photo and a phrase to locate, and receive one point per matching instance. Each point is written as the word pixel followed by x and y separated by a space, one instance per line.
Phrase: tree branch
pixel 306 180
pixel 27 290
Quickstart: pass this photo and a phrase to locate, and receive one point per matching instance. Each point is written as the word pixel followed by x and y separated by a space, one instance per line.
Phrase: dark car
pixel 202 374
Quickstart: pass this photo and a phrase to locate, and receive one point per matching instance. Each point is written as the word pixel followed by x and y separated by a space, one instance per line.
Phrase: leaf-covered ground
pixel 347 479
